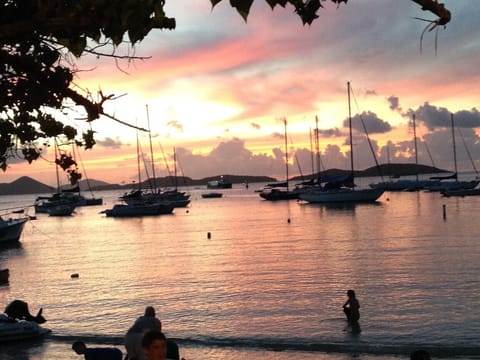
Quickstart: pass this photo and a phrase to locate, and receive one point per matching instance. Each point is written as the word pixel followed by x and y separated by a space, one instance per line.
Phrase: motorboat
pixel 219 184
pixel 125 210
pixel 15 330
pixel 11 229
pixel 212 195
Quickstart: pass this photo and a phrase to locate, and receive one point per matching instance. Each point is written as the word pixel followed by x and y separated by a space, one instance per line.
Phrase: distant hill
pixel 25 185
pixel 394 170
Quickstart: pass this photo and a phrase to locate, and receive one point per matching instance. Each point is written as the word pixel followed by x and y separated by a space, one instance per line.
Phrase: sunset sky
pixel 217 89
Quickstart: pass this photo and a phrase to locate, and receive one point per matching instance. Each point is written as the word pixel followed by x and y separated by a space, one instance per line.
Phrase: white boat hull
pixel 343 195
pixel 11 230
pixel 20 330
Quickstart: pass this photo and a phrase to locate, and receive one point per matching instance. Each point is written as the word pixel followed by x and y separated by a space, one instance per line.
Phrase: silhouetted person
pixel 98 353
pixel 351 308
pixel 133 338
pixel 420 355
pixel 18 310
pixel 154 345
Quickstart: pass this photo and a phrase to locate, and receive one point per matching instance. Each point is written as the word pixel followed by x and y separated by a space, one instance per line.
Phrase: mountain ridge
pixel 26 185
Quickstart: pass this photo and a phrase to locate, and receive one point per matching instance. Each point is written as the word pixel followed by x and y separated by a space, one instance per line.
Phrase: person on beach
pixel 99 353
pixel 133 338
pixel 420 355
pixel 154 345
pixel 351 308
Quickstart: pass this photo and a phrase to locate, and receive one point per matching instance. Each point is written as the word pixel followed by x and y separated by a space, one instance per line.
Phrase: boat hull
pixel 123 210
pixel 20 330
pixel 11 230
pixel 341 196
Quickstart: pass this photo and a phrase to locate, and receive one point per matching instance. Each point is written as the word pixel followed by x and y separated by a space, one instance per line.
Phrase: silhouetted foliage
pixel 39 41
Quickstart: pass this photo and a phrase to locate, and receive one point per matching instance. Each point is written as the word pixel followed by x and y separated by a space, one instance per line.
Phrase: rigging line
pixel 429 153
pixel 296 160
pixel 84 171
pixel 366 134
pixel 169 172
pixel 468 151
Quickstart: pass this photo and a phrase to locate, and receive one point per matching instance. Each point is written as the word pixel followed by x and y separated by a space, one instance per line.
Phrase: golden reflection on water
pixel 264 265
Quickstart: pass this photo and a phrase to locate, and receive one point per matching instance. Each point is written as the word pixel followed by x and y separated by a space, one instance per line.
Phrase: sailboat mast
pixel 56 165
pixel 151 152
pixel 415 143
pixel 286 150
pixel 350 133
pixel 454 147
pixel 317 149
pixel 138 164
pixel 175 167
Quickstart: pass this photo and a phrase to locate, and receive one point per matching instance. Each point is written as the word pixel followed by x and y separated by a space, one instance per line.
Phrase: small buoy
pixel 187 211
pixel 288 220
pixel 209 235
pixel 444 211
pixel 74 276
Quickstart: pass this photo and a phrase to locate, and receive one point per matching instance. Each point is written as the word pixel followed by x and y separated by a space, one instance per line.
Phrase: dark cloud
pixel 331 133
pixel 439 117
pixel 394 103
pixel 110 143
pixel 371 93
pixel 372 123
pixel 255 126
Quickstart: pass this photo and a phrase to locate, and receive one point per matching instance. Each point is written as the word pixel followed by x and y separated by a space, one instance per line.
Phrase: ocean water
pixel 242 278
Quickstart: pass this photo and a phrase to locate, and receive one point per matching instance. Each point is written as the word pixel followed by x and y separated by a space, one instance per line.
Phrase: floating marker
pixel 444 211
pixel 74 276
pixel 209 236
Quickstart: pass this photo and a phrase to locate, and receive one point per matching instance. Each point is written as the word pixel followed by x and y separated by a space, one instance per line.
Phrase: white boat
pixel 14 330
pixel 343 190
pixel 11 229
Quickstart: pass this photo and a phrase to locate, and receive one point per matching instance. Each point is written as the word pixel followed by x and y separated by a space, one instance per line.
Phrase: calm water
pixel 268 283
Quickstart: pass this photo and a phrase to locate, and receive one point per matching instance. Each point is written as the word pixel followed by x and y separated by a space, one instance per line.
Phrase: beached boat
pixel 342 190
pixel 15 330
pixel 11 229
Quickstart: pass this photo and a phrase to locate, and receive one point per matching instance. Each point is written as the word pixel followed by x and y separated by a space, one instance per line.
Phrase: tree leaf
pixel 243 7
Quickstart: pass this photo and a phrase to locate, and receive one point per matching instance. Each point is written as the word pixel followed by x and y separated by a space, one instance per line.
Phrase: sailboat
pixel 155 195
pixel 343 190
pixel 281 190
pixel 443 185
pixel 407 184
pixel 64 201
pixel 134 202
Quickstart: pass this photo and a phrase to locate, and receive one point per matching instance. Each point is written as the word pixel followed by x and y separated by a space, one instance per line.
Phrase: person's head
pixel 149 311
pixel 420 355
pixel 351 293
pixel 79 347
pixel 154 345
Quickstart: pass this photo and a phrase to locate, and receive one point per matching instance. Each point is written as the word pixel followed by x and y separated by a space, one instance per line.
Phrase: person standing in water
pixel 351 308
